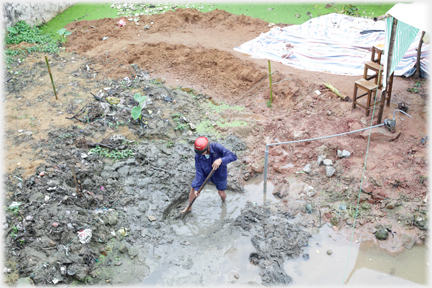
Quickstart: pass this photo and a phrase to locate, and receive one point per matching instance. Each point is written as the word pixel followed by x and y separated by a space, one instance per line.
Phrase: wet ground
pixel 130 194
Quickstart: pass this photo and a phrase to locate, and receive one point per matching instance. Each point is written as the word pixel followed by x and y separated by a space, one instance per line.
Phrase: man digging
pixel 210 156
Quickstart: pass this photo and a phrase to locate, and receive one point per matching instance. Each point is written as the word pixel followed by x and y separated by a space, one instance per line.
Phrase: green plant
pixel 136 111
pixel 63 32
pixel 169 144
pixel 413 90
pixel 269 104
pixel 423 179
pixel 22 241
pixel 104 152
pixel 348 9
pixel 14 231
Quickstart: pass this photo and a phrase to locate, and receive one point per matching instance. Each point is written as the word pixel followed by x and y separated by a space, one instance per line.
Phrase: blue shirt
pixel 203 166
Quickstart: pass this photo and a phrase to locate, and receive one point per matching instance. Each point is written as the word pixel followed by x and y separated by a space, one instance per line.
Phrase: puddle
pixel 208 209
pixel 366 264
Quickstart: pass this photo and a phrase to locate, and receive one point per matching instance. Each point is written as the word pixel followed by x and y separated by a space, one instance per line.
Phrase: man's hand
pixel 196 194
pixel 217 163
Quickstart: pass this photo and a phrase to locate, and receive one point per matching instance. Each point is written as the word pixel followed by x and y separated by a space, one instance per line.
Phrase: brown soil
pixel 192 49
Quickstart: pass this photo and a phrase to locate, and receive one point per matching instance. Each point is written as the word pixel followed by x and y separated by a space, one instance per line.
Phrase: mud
pixel 131 202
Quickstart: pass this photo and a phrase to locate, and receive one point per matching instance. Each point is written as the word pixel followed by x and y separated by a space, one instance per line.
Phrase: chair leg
pixel 368 102
pixel 365 73
pixel 354 96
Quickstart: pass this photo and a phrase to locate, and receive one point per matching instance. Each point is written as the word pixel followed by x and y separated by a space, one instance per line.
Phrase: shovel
pixel 199 191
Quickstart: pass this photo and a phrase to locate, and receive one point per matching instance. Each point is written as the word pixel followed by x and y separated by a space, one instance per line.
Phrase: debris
pixel 317 92
pixel 85 236
pixel 151 218
pixel 334 90
pixel 328 162
pixel 55 224
pixel 14 206
pixel 146 27
pixel 113 100
pixel 122 231
pixel 105 38
pixel 192 126
pixel 297 16
pixel 424 140
pixel 270 9
pixel 271 24
pixel 121 23
pixel 381 233
pixel 403 106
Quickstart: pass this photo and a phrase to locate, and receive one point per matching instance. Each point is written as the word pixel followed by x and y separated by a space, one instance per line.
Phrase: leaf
pixel 140 98
pixel 67 33
pixel 61 31
pixel 136 112
pixel 12 30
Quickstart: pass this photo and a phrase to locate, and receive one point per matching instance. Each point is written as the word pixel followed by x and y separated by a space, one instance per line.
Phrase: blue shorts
pixel 220 185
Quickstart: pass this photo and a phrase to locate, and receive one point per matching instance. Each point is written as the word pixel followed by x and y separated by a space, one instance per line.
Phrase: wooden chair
pixel 375 67
pixel 370 87
pixel 378 51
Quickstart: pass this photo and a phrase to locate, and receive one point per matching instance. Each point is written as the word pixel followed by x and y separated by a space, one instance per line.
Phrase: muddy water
pixel 363 263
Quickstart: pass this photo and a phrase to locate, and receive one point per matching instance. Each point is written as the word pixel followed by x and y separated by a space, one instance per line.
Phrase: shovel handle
pixel 199 191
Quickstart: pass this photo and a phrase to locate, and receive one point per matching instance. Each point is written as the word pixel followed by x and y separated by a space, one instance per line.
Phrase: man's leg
pixel 222 194
pixel 191 197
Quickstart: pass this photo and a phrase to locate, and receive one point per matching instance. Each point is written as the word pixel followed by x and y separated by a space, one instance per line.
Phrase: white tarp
pixel 415 14
pixel 332 43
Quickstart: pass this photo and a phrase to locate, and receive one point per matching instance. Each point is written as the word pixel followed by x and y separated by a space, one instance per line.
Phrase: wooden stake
pixel 271 88
pixel 76 183
pixel 52 81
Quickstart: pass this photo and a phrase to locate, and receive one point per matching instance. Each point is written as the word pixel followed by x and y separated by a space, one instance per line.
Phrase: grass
pixel 286 13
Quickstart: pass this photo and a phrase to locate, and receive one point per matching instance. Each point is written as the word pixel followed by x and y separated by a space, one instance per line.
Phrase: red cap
pixel 201 144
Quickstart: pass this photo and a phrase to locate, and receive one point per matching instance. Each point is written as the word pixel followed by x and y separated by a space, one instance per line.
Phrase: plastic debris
pixel 113 100
pixel 121 23
pixel 85 236
pixel 105 38
pixel 14 205
pixel 122 231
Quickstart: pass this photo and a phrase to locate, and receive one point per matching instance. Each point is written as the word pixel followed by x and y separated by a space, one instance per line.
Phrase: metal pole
pixel 265 170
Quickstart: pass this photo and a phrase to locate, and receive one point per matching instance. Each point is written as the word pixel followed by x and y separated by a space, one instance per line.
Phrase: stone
pixel 329 252
pixel 366 187
pixel 307 168
pixel 321 159
pixel 380 134
pixel 391 205
pixel 365 206
pixel 25 282
pixel 310 191
pixel 330 171
pixel 123 248
pixel 381 233
pixel 151 218
pixel 343 154
pixel 192 126
pixel 407 241
pixel 327 162
pixel 258 168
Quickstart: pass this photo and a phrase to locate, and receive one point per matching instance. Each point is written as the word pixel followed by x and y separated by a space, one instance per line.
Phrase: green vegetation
pixel 117 155
pixel 23 32
pixel 136 111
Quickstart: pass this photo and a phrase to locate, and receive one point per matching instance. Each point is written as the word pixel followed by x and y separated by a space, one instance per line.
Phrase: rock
pixel 192 126
pixel 258 168
pixel 407 241
pixel 391 205
pixel 133 252
pixel 343 154
pixel 123 248
pixel 307 168
pixel 305 256
pixel 236 275
pixel 380 134
pixel 327 162
pixel 366 187
pixel 151 218
pixel 320 160
pixel 310 191
pixel 349 222
pixel 329 252
pixel 118 263
pixel 330 171
pixel 381 233
pixel 55 224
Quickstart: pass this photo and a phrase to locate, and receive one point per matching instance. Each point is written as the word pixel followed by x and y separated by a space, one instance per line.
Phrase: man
pixel 208 156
